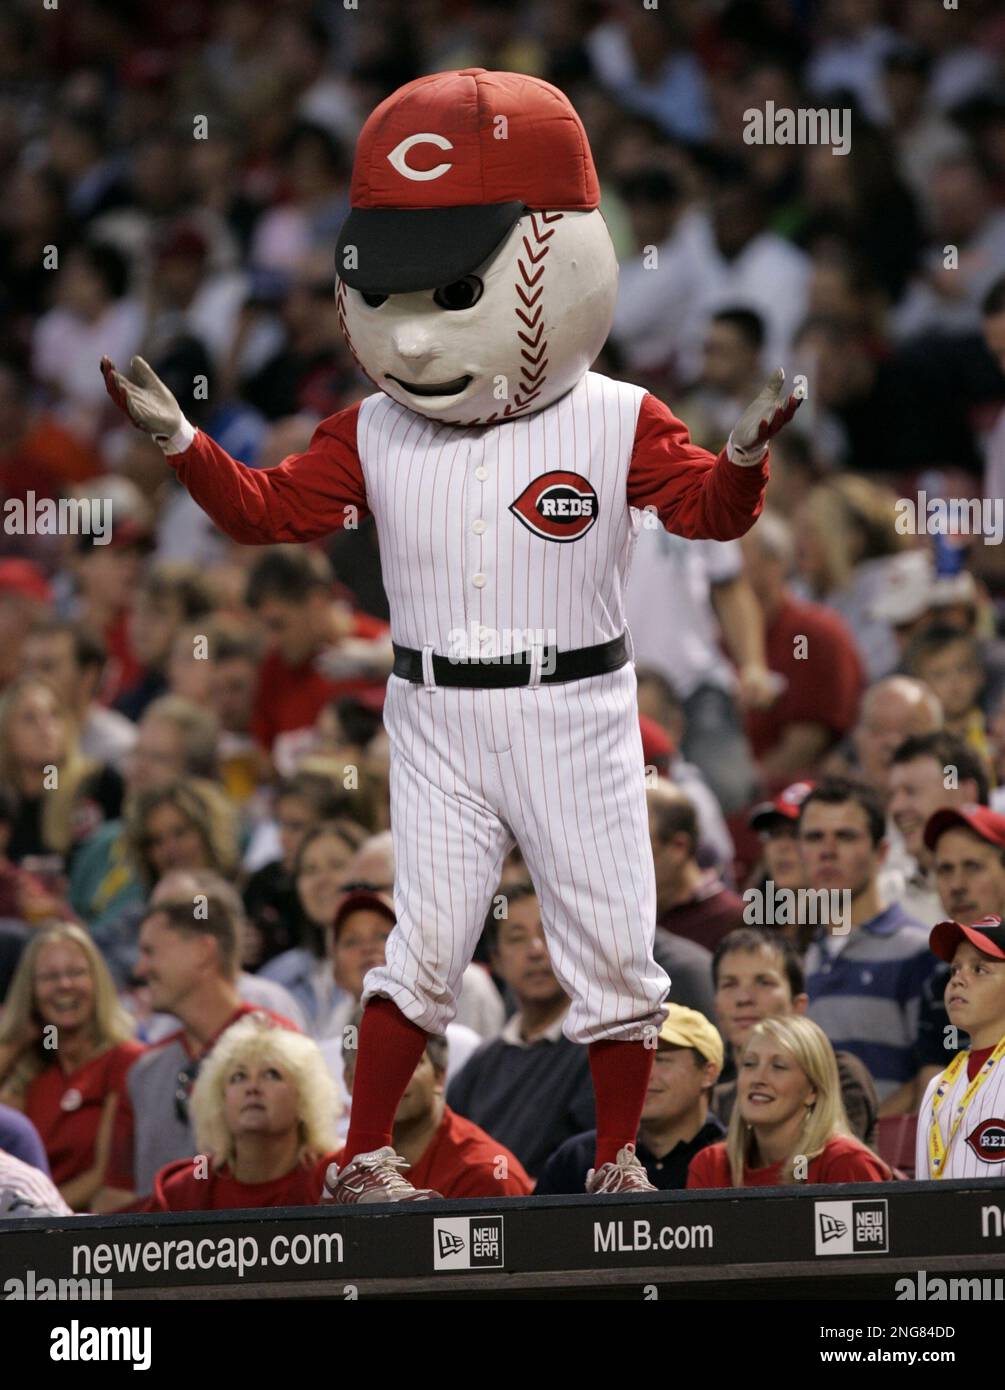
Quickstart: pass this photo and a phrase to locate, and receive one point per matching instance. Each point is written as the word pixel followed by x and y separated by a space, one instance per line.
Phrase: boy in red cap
pixel 476 287
pixel 961 1125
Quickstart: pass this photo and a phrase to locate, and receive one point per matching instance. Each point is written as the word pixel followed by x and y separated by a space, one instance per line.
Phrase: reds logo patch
pixel 988 1141
pixel 558 506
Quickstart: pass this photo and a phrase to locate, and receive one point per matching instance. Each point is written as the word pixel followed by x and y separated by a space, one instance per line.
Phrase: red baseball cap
pixel 657 745
pixel 984 822
pixel 24 577
pixel 785 806
pixel 987 934
pixel 360 899
pixel 446 165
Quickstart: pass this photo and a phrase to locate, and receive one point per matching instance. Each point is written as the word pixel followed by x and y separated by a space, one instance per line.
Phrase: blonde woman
pixel 61 795
pixel 65 1048
pixel 789 1123
pixel 264 1110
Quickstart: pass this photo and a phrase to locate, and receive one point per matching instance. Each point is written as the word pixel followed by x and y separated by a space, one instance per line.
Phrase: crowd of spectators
pixel 195 865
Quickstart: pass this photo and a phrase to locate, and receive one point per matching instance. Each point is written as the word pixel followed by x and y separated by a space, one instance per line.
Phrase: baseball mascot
pixel 476 286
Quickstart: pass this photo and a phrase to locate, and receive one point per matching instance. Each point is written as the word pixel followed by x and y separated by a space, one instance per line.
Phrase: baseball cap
pixel 785 806
pixel 445 167
pixel 362 898
pixel 987 934
pixel 908 580
pixel 688 1028
pixel 987 824
pixel 657 745
pixel 24 578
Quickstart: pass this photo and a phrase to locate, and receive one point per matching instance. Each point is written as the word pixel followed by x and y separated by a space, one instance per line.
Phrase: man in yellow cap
pixel 676 1121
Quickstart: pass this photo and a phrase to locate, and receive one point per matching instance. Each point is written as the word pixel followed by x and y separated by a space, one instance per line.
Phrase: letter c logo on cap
pixel 397 156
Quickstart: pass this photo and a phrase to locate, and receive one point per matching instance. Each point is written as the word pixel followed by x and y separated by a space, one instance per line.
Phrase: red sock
pixel 390 1048
pixel 620 1073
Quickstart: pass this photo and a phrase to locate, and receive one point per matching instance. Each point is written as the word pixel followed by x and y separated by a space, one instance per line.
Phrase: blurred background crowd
pixel 183 718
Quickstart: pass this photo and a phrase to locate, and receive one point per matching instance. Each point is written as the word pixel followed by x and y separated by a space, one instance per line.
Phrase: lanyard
pixel 937 1152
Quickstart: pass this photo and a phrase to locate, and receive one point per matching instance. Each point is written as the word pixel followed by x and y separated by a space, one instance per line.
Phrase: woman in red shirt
pixel 789 1123
pixel 65 1047
pixel 264 1110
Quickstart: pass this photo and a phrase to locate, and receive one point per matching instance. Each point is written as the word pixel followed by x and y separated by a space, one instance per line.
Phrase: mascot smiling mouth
pixel 446 388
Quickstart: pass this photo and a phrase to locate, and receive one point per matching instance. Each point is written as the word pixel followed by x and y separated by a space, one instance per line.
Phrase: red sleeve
pixel 847 1161
pixel 836 698
pixel 301 499
pixel 709 1168
pixel 695 493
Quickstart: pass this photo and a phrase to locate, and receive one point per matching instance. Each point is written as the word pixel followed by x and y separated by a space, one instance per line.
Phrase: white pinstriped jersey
pixel 523 524
pixel 978 1149
pixel 457 557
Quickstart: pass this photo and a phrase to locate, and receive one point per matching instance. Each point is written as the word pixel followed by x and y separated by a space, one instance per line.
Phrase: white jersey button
pixel 478 580
pixel 484 634
pixel 481 472
pixel 478 526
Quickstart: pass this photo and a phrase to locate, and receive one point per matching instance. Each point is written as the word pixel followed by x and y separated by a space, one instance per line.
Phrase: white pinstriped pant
pixel 558 769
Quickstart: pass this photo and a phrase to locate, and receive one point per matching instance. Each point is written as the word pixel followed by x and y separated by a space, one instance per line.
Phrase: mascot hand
pixel 147 401
pixel 763 418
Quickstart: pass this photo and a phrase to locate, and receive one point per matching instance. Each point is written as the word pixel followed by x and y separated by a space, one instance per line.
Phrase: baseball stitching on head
pixel 340 304
pixel 529 309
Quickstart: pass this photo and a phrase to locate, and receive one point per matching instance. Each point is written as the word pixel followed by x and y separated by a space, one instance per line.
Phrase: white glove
pixel 149 404
pixel 763 418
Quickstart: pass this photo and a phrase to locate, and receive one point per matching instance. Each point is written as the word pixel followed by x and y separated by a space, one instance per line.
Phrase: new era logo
pixel 851 1228
pixel 449 1244
pixel 468 1242
pixel 831 1228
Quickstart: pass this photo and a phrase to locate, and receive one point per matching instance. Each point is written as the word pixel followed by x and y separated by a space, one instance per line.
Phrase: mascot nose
pixel 414 344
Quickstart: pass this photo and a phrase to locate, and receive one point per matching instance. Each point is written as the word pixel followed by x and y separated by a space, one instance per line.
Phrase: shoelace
pixel 384 1171
pixel 613 1177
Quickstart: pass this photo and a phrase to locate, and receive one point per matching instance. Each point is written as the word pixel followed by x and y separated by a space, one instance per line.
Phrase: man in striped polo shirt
pixel 865 974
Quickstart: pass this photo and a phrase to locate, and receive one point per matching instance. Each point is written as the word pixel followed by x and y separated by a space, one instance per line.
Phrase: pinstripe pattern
pixel 558 769
pixel 423 486
pixel 987 1104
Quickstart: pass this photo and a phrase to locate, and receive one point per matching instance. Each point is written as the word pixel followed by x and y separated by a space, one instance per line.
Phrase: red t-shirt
pixel 66 1111
pixel 292 697
pixel 122 669
pixel 461 1160
pixel 843 1160
pixel 823 686
pixel 177 1188
pixel 976 1060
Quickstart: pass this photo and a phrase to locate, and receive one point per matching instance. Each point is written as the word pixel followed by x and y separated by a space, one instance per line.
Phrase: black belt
pixel 497 673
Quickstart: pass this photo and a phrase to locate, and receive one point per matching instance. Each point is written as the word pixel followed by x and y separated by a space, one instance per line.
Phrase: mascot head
pixel 477 277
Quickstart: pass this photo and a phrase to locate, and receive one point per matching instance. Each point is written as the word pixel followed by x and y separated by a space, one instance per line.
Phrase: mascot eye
pixel 374 300
pixel 462 294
